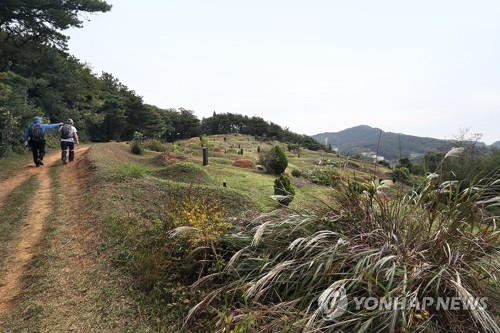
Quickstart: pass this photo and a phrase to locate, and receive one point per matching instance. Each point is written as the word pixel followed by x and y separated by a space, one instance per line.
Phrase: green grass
pixel 132 197
pixel 185 172
pixel 13 215
pixel 12 165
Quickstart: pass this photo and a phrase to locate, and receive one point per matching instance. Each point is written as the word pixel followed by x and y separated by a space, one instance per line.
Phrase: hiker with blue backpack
pixel 35 138
pixel 68 138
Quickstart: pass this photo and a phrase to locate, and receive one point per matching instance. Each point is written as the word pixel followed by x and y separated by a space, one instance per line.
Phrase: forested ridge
pixel 39 76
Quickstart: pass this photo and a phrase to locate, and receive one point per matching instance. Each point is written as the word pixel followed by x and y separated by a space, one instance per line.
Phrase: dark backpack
pixel 36 134
pixel 66 131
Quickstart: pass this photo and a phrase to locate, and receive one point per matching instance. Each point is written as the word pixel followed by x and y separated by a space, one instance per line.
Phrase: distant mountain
pixel 496 144
pixel 364 139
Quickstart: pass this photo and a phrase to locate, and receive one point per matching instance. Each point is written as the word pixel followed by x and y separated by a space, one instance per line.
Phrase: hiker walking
pixel 35 138
pixel 68 137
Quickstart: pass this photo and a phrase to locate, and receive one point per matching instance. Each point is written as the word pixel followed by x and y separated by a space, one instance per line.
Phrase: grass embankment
pixel 142 203
pixel 281 272
pixel 147 231
pixel 224 150
pixel 139 200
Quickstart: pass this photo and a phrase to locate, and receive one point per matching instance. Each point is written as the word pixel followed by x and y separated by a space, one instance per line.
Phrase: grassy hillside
pixel 139 199
pixel 173 250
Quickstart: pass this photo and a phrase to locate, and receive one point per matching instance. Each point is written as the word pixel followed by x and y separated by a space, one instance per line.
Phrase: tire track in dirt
pixel 28 243
pixel 71 293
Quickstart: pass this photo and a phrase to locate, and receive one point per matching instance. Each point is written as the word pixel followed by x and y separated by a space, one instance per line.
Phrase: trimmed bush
pixel 283 187
pixel 137 146
pixel 274 160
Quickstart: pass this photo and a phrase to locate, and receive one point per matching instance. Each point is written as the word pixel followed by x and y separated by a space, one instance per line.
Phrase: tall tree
pixel 42 21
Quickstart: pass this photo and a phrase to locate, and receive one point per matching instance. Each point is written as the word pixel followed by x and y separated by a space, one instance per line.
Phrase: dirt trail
pixel 8 185
pixel 71 293
pixel 28 243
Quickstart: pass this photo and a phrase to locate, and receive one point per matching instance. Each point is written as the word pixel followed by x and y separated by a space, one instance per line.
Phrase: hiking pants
pixel 38 150
pixel 65 145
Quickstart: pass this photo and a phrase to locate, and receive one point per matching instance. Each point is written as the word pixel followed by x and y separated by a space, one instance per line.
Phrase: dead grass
pixel 244 164
pixel 173 157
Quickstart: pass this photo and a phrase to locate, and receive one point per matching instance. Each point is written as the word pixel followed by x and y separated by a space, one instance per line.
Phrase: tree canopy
pixel 42 21
pixel 236 123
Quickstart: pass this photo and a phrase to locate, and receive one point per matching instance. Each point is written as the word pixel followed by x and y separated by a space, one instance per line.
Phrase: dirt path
pixel 28 170
pixel 28 243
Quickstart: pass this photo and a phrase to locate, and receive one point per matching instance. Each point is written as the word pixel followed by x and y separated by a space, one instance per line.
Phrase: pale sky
pixel 425 68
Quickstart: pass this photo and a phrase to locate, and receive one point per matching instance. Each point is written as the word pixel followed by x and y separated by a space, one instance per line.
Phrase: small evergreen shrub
pixel 203 140
pixel 282 186
pixel 274 160
pixel 137 145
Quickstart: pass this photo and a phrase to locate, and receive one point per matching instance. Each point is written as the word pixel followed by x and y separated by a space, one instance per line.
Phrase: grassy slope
pixel 259 186
pixel 131 197
pixel 127 196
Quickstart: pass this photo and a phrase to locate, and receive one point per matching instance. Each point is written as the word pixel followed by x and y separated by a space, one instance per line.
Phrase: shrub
pixel 402 175
pixel 324 176
pixel 154 145
pixel 274 160
pixel 203 214
pixel 385 163
pixel 203 140
pixel 292 270
pixel 137 146
pixel 296 172
pixel 284 189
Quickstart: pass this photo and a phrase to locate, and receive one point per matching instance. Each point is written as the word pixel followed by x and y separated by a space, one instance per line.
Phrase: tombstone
pixel 205 156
